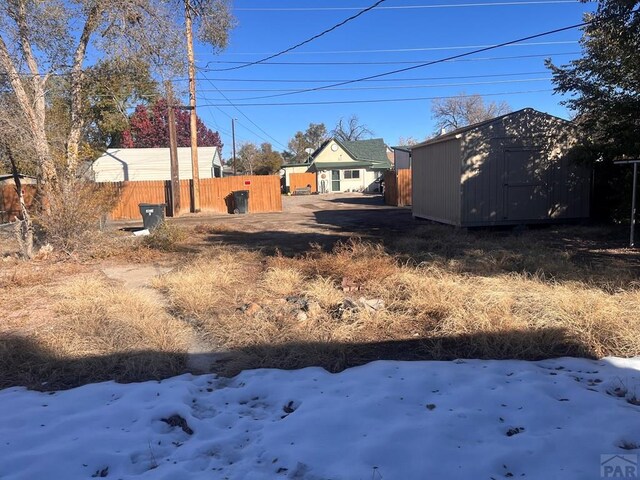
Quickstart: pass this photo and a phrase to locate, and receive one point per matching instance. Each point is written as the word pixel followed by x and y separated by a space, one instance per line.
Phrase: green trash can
pixel 152 214
pixel 241 201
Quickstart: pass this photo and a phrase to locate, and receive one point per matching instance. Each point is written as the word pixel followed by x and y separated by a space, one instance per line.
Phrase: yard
pixel 332 281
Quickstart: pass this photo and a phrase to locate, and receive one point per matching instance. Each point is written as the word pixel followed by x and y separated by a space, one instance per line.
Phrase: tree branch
pixel 16 84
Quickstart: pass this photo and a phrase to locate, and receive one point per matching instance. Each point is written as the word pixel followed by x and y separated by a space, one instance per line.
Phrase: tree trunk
pixel 33 109
pixel 77 78
pixel 24 227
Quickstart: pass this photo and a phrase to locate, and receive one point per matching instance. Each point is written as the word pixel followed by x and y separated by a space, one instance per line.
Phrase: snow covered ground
pixel 387 420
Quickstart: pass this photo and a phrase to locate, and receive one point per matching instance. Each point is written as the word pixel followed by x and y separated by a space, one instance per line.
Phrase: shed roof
pixel 467 128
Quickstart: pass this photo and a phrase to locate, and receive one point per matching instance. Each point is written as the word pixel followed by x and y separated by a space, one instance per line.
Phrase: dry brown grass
pixel 449 313
pixel 100 332
pixel 211 284
pixel 563 254
pixel 446 294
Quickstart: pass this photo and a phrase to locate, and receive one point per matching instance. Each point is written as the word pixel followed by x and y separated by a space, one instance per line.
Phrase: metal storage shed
pixel 510 170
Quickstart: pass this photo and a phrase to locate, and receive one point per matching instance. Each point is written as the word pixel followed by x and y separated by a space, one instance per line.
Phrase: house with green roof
pixel 354 166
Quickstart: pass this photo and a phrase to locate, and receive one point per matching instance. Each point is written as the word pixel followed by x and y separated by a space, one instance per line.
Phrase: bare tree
pixel 247 157
pixel 455 112
pixel 407 141
pixel 312 138
pixel 43 40
pixel 351 130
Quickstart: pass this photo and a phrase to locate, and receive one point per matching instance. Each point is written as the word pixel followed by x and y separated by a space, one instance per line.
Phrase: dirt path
pixel 200 356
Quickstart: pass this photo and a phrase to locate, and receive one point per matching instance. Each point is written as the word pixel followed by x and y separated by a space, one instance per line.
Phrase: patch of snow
pixel 551 419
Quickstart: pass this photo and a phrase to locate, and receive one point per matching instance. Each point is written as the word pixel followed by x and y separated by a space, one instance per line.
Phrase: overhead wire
pixel 380 100
pixel 388 87
pixel 244 115
pixel 388 62
pixel 402 7
pixel 433 62
pixel 412 49
pixel 311 39
pixel 449 77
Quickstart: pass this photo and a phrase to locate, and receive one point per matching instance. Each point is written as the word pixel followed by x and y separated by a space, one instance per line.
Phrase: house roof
pixel 133 154
pixel 291 165
pixel 8 177
pixel 373 150
pixel 347 165
pixel 473 126
pixel 370 153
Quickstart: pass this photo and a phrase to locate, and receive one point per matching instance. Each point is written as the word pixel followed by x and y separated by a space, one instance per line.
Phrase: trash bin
pixel 152 214
pixel 241 201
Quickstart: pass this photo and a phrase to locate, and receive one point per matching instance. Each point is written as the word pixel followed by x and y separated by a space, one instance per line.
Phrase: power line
pixel 414 49
pixel 243 114
pixel 390 87
pixel 456 77
pixel 231 117
pixel 403 7
pixel 406 62
pixel 411 62
pixel 308 40
pixel 433 62
pixel 382 100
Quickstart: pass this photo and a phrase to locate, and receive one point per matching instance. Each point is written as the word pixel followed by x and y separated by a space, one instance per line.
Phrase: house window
pixel 351 174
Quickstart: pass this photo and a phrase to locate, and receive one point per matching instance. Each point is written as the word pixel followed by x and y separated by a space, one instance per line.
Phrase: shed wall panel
pixel 489 191
pixel 436 181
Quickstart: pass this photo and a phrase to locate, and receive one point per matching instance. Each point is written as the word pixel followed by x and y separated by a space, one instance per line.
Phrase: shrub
pixel 75 210
pixel 165 237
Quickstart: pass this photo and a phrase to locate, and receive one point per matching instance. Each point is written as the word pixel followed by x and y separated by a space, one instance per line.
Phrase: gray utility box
pixel 241 201
pixel 152 214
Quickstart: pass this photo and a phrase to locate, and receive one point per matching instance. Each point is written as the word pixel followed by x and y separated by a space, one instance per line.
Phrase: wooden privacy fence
pixel 301 180
pixel 10 203
pixel 397 187
pixel 215 195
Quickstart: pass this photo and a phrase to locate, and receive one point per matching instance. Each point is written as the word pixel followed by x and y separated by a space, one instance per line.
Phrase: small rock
pixel 252 309
pixel 514 431
pixel 349 285
pixel 371 305
pixel 314 308
pixel 178 421
pixel 300 302
pixel 348 304
pixel 301 317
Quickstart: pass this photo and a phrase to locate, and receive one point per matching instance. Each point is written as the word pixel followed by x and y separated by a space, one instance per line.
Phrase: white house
pixel 346 166
pixel 138 164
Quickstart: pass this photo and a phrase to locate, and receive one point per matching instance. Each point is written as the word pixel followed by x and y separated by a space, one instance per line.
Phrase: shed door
pixel 526 192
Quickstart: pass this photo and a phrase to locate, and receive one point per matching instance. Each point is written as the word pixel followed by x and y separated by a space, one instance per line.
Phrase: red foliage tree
pixel 149 128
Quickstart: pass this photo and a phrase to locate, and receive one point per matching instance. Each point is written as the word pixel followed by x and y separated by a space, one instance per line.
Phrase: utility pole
pixel 173 152
pixel 195 184
pixel 233 135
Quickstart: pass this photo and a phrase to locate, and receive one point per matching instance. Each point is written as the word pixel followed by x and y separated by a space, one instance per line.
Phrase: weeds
pixel 165 237
pixel 430 310
pixel 100 332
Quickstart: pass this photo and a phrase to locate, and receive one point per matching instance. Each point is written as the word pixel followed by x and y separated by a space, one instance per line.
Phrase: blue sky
pixel 394 35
